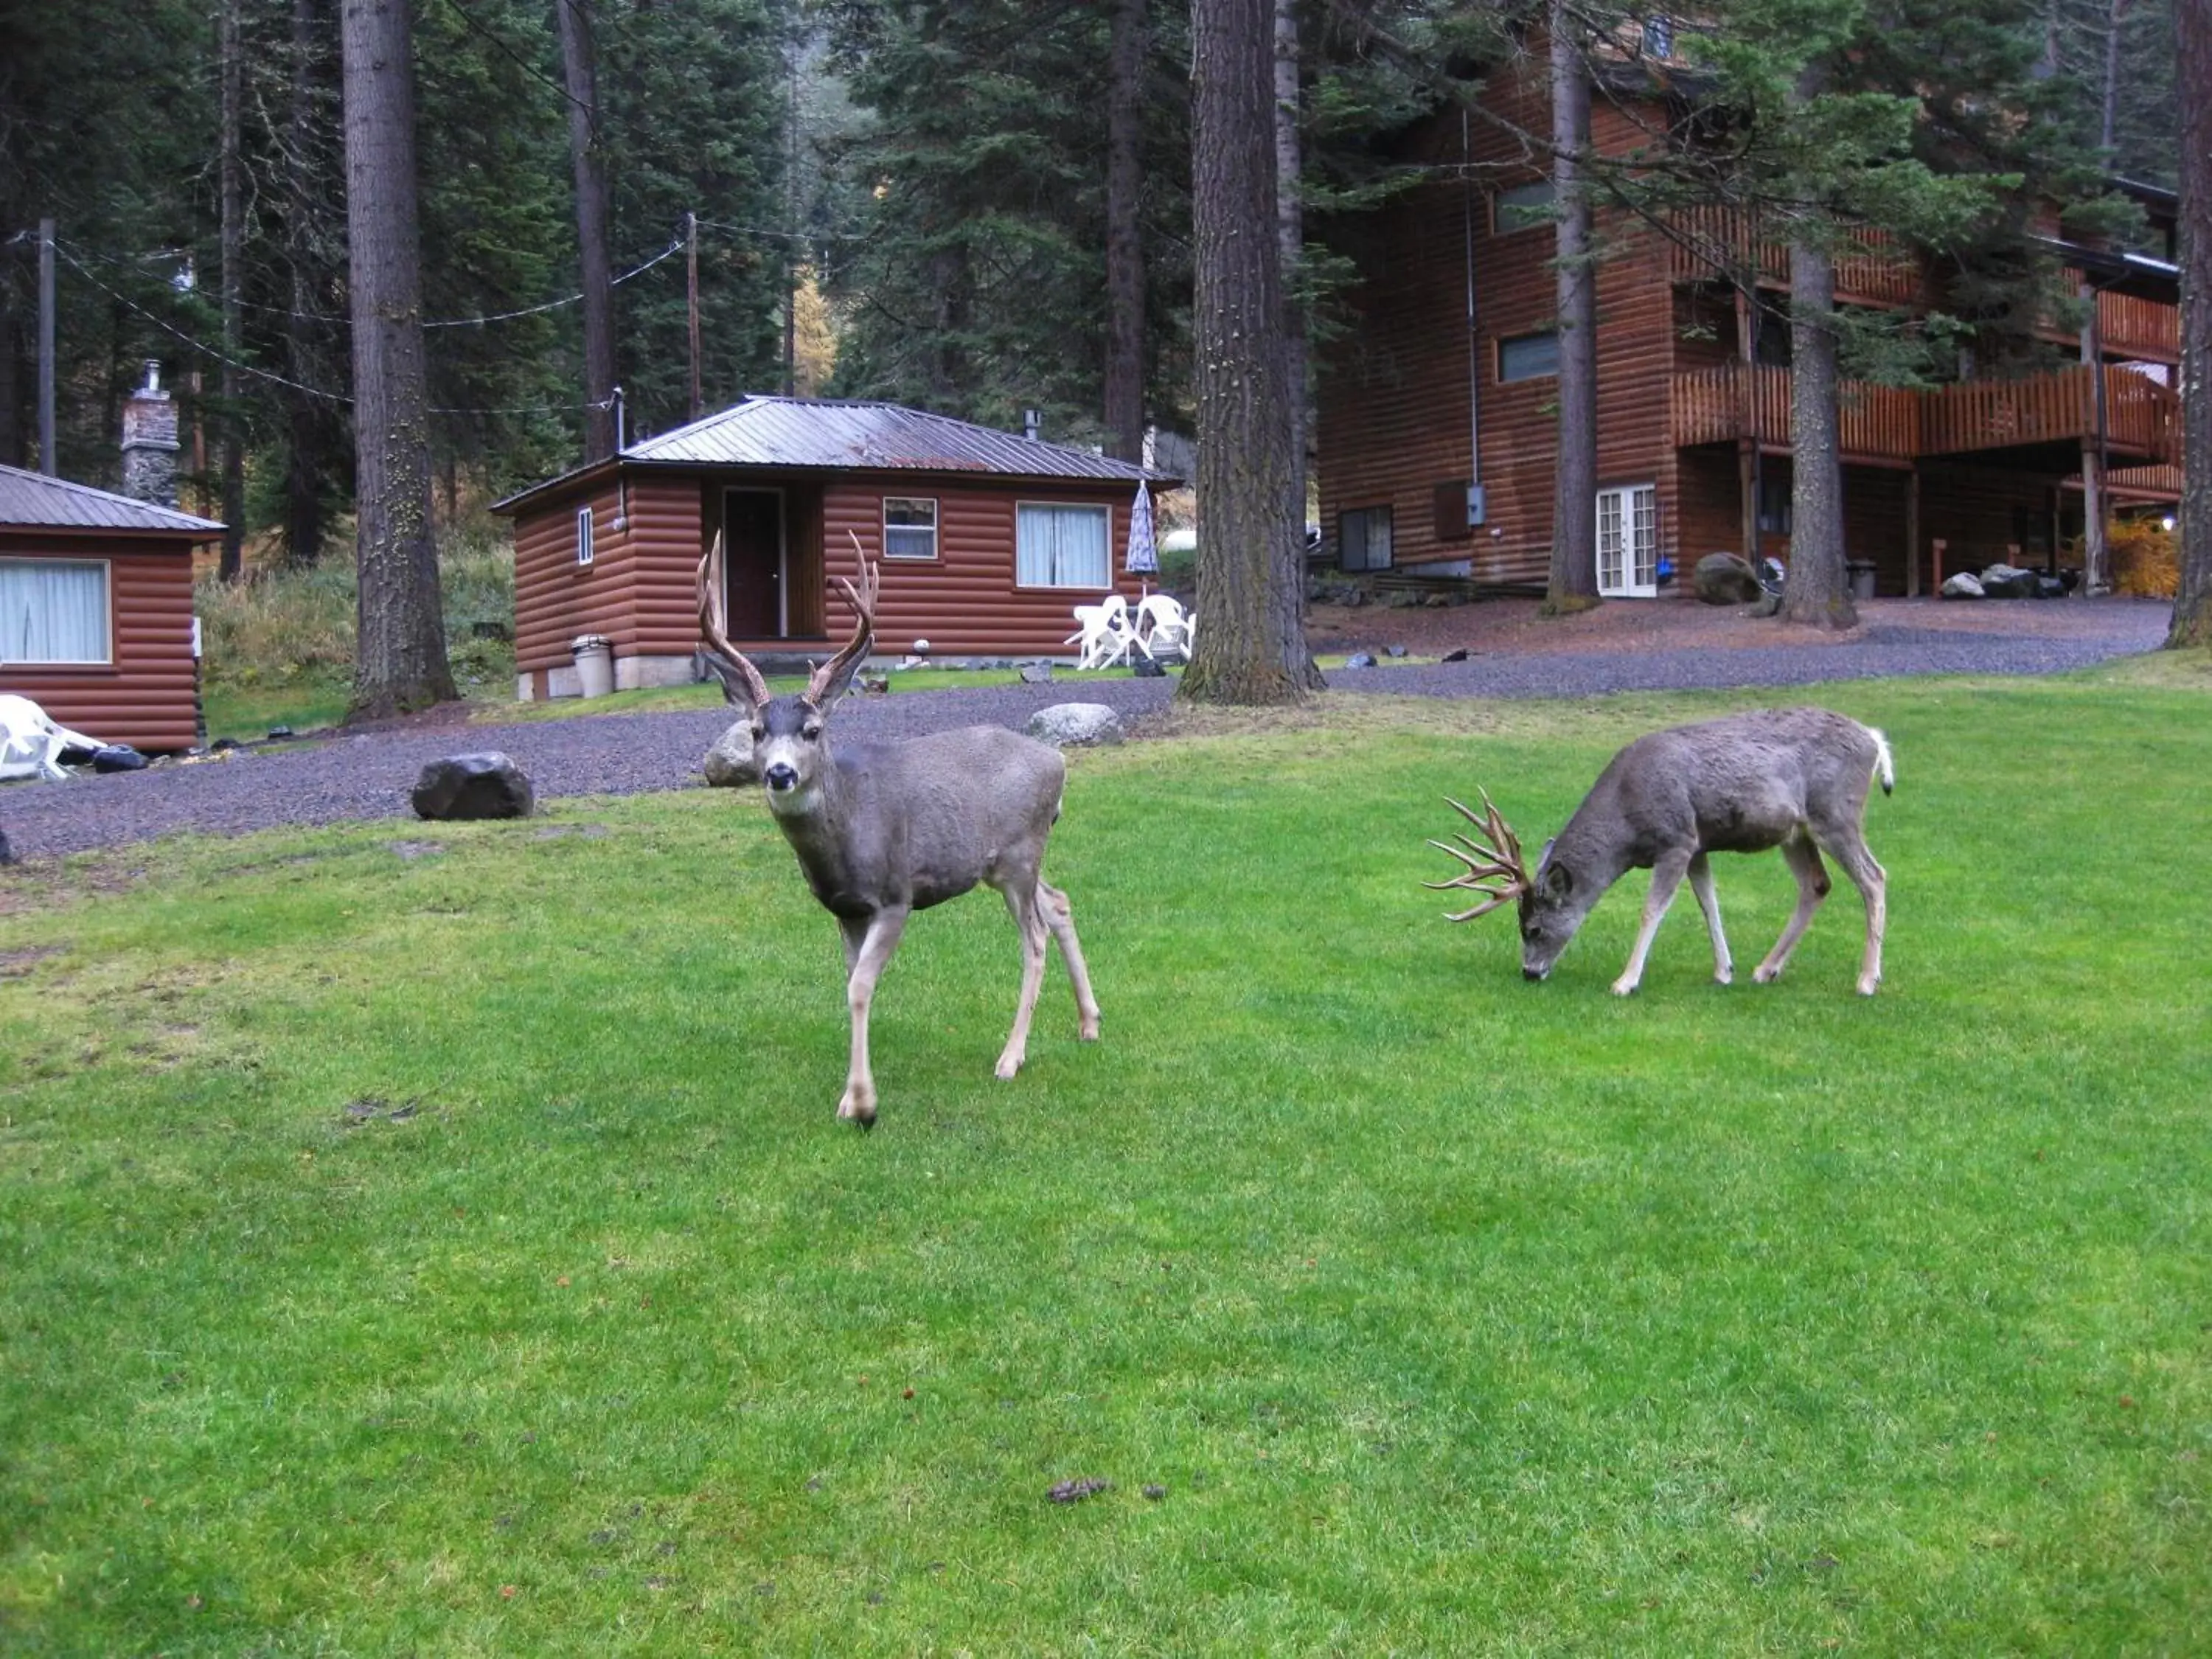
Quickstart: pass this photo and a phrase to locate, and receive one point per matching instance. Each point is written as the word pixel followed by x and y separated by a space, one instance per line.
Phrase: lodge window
pixel 1527 357
pixel 1363 538
pixel 1773 504
pixel 1771 345
pixel 1659 36
pixel 910 528
pixel 583 535
pixel 54 610
pixel 1062 545
pixel 1520 207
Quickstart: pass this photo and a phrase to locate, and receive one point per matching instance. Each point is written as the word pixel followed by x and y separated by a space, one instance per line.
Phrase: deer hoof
pixel 1088 1031
pixel 1764 975
pixel 1723 975
pixel 1868 984
pixel 1624 987
pixel 855 1109
pixel 1008 1069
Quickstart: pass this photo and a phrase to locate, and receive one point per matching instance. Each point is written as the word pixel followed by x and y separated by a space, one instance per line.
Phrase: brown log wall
pixel 1393 394
pixel 145 697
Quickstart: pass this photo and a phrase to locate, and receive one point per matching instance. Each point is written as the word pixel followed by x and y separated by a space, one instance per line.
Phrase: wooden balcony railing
pixel 2149 328
pixel 1712 406
pixel 1710 242
pixel 2142 417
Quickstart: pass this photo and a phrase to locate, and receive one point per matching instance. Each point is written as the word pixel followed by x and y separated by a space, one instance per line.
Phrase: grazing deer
pixel 1792 778
pixel 886 830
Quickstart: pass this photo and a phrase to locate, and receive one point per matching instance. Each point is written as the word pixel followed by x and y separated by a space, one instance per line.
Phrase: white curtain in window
pixel 53 610
pixel 1061 547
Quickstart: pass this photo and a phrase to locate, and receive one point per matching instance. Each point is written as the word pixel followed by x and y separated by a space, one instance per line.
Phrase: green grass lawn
pixel 436 1239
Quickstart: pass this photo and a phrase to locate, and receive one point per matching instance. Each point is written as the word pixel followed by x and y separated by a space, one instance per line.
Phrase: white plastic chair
pixel 1103 633
pixel 1162 626
pixel 31 744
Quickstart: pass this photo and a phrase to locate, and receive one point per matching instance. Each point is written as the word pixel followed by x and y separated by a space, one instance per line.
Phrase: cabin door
pixel 1628 542
pixel 757 573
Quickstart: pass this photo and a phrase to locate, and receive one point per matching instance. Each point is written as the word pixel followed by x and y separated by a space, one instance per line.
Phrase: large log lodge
pixel 1445 379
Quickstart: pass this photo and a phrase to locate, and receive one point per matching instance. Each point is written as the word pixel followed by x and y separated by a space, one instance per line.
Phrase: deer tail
pixel 1884 767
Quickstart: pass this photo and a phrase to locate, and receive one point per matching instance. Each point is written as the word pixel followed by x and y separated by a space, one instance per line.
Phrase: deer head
pixel 1549 910
pixel 790 741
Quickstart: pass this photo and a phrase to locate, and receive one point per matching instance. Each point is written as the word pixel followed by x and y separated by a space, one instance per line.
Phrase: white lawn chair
pixel 1163 627
pixel 31 744
pixel 1105 634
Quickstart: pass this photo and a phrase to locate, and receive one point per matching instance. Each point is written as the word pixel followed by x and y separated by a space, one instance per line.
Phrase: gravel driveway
pixel 368 776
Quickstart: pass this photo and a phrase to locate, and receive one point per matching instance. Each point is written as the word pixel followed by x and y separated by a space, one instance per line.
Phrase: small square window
pixel 54 610
pixel 1522 207
pixel 1528 356
pixel 910 528
pixel 583 535
pixel 1773 503
pixel 1659 36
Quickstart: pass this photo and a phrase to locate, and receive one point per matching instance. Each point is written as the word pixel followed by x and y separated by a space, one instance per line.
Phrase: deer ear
pixel 734 690
pixel 1544 859
pixel 834 693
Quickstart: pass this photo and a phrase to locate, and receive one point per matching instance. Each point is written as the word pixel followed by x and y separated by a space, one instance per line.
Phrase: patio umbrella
pixel 1144 553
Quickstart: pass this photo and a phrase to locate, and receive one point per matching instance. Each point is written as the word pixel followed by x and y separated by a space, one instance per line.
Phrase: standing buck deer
pixel 1792 778
pixel 886 830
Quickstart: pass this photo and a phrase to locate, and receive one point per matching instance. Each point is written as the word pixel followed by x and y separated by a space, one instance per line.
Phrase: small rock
pixel 1963 585
pixel 278 733
pixel 2008 581
pixel 1766 604
pixel 6 853
pixel 1359 660
pixel 1394 650
pixel 486 786
pixel 880 684
pixel 117 757
pixel 1438 601
pixel 1725 579
pixel 221 744
pixel 1075 723
pixel 1146 668
pixel 729 764
pixel 1457 654
pixel 1037 673
pixel 1354 597
pixel 1156 1492
pixel 1074 1491
pixel 973 665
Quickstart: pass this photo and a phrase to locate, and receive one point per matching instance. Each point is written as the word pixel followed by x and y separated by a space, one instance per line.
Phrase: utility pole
pixel 691 265
pixel 47 349
pixel 791 224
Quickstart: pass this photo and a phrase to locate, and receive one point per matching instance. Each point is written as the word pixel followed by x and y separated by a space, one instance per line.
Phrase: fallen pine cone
pixel 1074 1491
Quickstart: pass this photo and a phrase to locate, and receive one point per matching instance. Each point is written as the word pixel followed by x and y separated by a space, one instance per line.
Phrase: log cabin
pixel 96 620
pixel 986 540
pixel 1444 381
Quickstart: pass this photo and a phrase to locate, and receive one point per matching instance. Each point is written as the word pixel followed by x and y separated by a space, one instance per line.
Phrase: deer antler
pixel 711 622
pixel 863 601
pixel 1496 859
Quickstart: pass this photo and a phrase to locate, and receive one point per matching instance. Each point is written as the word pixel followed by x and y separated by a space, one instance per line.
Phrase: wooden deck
pixel 1890 424
pixel 1706 243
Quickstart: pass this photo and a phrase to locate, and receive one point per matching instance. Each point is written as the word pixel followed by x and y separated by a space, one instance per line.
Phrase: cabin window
pixel 910 528
pixel 1363 538
pixel 1773 503
pixel 53 610
pixel 1527 357
pixel 583 535
pixel 1522 207
pixel 1770 345
pixel 1659 36
pixel 1059 546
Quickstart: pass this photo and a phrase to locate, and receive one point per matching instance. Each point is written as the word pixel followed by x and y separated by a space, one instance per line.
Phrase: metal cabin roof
pixel 34 500
pixel 815 432
pixel 835 434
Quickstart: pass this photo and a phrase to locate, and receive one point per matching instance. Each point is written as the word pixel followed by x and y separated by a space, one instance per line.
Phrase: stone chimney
pixel 150 442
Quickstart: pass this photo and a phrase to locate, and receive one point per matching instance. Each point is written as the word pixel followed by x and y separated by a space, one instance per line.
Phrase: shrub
pixel 2146 559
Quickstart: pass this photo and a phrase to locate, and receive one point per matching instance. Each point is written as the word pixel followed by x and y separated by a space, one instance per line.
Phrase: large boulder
pixel 1725 579
pixel 730 764
pixel 486 786
pixel 117 757
pixel 1963 585
pixel 1068 723
pixel 2008 581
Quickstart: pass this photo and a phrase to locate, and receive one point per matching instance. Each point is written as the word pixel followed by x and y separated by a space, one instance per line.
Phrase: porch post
pixel 1747 468
pixel 1912 533
pixel 2093 473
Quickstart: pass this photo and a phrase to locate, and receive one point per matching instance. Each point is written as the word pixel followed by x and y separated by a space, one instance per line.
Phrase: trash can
pixel 595 664
pixel 1861 572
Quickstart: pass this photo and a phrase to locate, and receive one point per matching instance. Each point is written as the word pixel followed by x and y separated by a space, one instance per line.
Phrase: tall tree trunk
pixel 1125 247
pixel 399 662
pixel 1251 647
pixel 307 423
pixel 586 154
pixel 1573 582
pixel 1291 229
pixel 2109 111
pixel 1817 593
pixel 2192 605
pixel 232 168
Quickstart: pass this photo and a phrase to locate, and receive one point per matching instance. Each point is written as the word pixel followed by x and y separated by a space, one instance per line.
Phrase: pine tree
pixel 2192 607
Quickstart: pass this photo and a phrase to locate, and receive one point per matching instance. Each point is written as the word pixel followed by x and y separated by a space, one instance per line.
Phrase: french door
pixel 1628 542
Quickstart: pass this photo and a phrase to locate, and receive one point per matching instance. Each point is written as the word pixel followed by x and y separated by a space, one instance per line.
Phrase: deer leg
pixel 1666 876
pixel 1022 904
pixel 1873 882
pixel 1803 859
pixel 1701 884
pixel 1059 917
pixel 879 938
